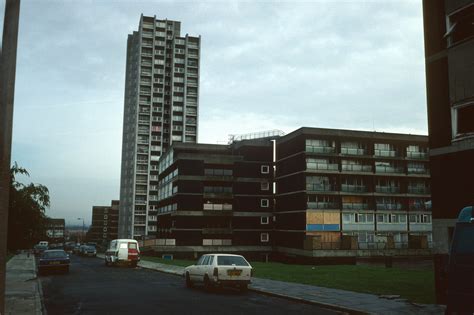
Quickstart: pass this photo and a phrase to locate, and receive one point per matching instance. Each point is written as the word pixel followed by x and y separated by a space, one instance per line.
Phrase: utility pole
pixel 82 235
pixel 7 92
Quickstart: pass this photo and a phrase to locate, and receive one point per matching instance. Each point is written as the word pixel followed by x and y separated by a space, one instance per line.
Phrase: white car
pixel 219 270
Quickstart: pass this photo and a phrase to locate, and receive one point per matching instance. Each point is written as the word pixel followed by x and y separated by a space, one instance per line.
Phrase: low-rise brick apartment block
pixel 312 193
pixel 104 224
pixel 215 198
pixel 351 193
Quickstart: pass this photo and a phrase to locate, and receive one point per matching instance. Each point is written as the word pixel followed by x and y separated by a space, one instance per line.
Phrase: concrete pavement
pixel 341 300
pixel 23 290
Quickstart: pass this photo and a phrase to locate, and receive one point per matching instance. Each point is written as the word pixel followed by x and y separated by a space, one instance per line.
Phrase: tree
pixel 26 213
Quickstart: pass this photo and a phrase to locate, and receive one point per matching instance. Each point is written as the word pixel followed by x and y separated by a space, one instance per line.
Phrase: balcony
pixel 217 207
pixel 217 231
pixel 355 206
pixel 320 187
pixel 322 205
pixel 389 169
pixel 389 206
pixel 385 153
pixel 353 151
pixel 356 168
pixel 353 188
pixel 417 155
pixel 417 171
pixel 418 190
pixel 320 149
pixel 322 166
pixel 387 189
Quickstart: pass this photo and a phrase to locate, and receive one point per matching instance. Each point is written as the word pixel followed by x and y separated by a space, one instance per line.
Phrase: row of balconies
pixel 361 152
pixel 365 168
pixel 364 189
pixel 362 206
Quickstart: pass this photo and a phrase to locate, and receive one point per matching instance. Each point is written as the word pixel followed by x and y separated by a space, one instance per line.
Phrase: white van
pixel 122 251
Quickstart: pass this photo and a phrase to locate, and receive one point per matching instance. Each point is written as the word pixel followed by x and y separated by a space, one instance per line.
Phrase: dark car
pixel 53 260
pixel 88 251
pixel 461 265
pixel 77 249
pixel 39 249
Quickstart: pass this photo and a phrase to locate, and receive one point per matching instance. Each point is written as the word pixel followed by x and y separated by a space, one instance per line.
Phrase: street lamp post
pixel 82 235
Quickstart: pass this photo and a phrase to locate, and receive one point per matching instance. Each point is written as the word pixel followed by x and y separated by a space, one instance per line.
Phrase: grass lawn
pixel 414 285
pixel 9 256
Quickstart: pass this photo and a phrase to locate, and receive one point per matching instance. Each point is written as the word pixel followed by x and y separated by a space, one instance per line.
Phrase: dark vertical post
pixel 7 91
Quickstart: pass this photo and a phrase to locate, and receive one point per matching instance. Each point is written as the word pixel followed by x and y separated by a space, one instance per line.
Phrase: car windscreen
pixel 231 260
pixel 463 242
pixel 55 254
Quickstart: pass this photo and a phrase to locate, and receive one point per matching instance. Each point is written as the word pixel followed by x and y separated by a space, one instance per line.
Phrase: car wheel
pixel 189 283
pixel 207 283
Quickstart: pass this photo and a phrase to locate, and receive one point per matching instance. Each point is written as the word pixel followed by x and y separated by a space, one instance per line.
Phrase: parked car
pixel 220 270
pixel 77 249
pixel 53 260
pixel 39 249
pixel 122 251
pixel 460 291
pixel 89 251
pixel 43 243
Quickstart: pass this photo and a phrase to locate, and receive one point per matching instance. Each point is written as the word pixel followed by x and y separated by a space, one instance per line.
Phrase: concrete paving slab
pixel 23 292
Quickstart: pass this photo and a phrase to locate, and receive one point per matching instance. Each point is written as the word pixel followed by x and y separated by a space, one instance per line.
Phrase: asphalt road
pixel 92 288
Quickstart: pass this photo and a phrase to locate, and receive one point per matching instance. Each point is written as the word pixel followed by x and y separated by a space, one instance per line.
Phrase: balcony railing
pixel 356 168
pixel 320 149
pixel 355 206
pixel 353 151
pixel 217 207
pixel 418 190
pixel 387 189
pixel 388 169
pixel 417 155
pixel 389 206
pixel 385 153
pixel 322 205
pixel 417 171
pixel 217 231
pixel 322 166
pixel 320 187
pixel 353 188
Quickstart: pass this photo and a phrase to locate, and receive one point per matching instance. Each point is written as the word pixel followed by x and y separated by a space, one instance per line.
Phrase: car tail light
pixel 216 272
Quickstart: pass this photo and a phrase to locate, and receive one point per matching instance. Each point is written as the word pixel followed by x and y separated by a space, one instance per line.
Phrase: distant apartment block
pixel 215 197
pixel 55 229
pixel 449 58
pixel 160 108
pixel 353 190
pixel 104 223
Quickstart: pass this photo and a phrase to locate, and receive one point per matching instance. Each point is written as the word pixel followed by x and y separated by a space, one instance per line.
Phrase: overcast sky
pixel 271 65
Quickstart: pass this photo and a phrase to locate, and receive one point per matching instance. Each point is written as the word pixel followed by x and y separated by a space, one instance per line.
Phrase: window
pixel 206 260
pixel 264 237
pixel 264 220
pixel 264 203
pixel 265 169
pixel 211 259
pixel 264 186
pixel 348 218
pixel 463 120
pixel 199 262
